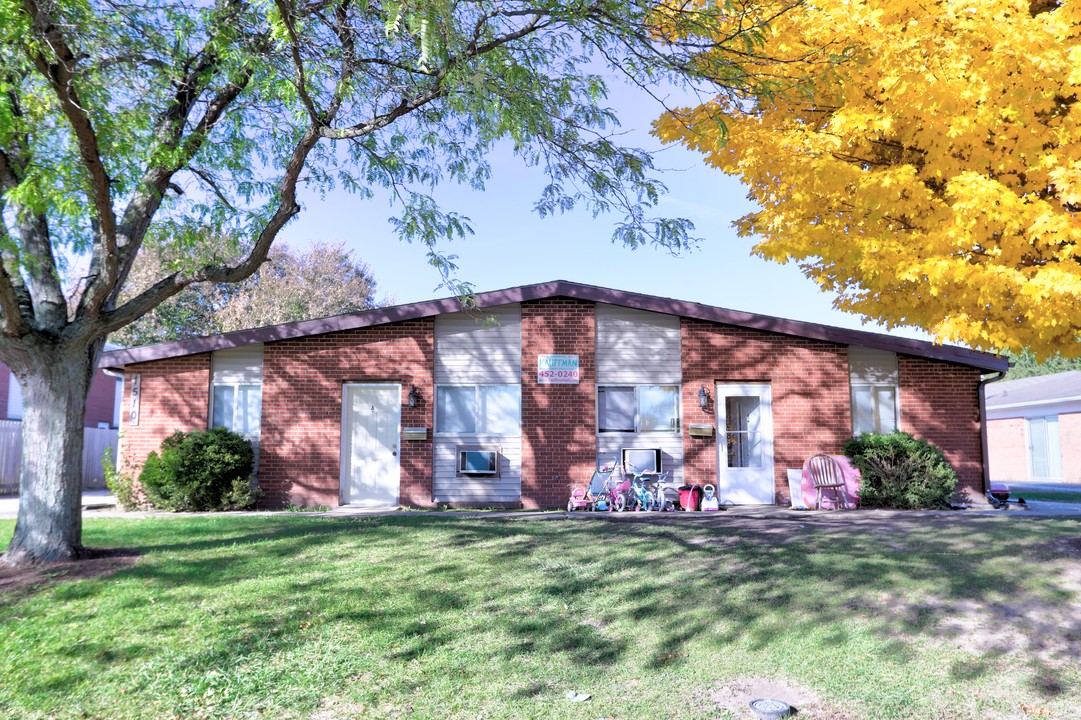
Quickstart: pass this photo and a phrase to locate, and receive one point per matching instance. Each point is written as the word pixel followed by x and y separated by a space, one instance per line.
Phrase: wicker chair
pixel 826 474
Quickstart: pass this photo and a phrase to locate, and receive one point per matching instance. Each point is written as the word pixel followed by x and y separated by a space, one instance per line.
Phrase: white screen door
pixel 744 444
pixel 371 467
pixel 1044 450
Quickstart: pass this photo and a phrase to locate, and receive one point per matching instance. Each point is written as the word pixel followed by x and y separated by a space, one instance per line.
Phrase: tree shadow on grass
pixel 428 590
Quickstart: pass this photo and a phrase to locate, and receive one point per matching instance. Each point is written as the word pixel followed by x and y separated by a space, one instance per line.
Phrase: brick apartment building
pixel 1034 428
pixel 424 404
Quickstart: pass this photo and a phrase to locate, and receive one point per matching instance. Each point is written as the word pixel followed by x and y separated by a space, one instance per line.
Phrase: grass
pixel 1061 496
pixel 414 616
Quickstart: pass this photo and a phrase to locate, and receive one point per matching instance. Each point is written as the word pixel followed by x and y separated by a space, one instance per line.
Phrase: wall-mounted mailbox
pixel 700 430
pixel 415 433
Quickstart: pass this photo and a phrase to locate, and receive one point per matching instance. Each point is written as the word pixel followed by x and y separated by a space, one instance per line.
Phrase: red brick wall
pixel 940 403
pixel 1007 449
pixel 1007 443
pixel 809 388
pixel 559 422
pixel 1069 428
pixel 175 396
pixel 300 448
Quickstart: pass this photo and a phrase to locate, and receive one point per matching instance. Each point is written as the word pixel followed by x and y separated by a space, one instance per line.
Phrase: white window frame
pixel 678 412
pixel 236 387
pixel 480 420
pixel 876 408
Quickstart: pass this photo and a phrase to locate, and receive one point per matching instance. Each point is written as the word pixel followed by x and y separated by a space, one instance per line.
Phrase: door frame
pixel 722 390
pixel 344 462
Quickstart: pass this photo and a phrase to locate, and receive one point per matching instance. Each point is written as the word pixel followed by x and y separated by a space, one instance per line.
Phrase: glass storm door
pixel 744 444
pixel 371 467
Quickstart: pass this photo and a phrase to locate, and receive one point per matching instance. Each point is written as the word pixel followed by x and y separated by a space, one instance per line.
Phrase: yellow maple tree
pixel 922 160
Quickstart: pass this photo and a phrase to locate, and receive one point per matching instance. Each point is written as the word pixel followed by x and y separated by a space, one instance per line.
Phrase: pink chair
pixel 826 474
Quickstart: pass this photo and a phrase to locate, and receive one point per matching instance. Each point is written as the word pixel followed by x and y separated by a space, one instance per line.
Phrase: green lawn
pixel 1062 496
pixel 416 616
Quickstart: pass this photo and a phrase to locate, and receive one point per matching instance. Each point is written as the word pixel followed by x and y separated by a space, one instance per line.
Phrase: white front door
pixel 744 444
pixel 371 467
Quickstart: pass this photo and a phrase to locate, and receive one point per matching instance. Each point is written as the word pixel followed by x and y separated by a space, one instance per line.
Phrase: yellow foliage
pixel 921 159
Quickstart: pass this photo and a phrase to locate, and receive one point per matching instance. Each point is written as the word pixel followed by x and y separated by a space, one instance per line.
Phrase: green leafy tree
pixel 134 122
pixel 322 281
pixel 1025 364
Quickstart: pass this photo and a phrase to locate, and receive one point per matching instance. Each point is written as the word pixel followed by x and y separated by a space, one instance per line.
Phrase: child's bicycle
pixel 642 498
pixel 660 502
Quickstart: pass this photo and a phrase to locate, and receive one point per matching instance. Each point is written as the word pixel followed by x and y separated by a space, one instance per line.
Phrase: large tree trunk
pixel 55 380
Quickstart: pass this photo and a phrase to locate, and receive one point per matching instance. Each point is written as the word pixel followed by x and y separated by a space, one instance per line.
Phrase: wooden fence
pixel 95 442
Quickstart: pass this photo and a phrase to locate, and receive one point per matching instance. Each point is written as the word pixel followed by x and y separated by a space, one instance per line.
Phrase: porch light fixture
pixel 414 397
pixel 703 398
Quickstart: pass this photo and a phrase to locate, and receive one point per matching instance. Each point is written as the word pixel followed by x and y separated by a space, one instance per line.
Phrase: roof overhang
pixel 118 359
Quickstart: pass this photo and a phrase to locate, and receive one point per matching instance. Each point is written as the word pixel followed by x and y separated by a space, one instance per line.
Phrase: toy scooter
pixel 710 501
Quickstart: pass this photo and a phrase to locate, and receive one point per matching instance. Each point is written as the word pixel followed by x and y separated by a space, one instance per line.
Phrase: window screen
pixel 874 409
pixel 615 409
pixel 658 408
pixel 479 409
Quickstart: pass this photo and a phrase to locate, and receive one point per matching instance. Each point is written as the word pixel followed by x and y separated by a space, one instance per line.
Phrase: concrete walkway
pixel 92 500
pixel 99 503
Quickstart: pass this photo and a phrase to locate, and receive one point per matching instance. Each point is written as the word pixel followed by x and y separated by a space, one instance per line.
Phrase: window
pixel 642 408
pixel 478 409
pixel 874 409
pixel 743 431
pixel 237 408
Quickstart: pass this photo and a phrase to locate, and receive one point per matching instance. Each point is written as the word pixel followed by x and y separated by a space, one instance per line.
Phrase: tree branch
pixel 437 89
pixel 145 203
pixel 287 207
pixel 45 294
pixel 61 77
pixel 13 303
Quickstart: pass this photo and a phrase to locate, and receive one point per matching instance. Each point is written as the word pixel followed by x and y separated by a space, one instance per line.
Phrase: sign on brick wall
pixel 136 391
pixel 557 369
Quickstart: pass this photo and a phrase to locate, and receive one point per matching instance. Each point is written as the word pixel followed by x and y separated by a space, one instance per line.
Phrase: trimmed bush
pixel 900 471
pixel 200 470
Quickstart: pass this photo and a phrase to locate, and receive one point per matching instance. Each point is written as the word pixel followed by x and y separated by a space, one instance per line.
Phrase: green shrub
pixel 900 471
pixel 121 484
pixel 200 470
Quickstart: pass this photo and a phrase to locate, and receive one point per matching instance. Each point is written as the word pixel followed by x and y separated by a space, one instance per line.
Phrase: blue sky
pixel 513 246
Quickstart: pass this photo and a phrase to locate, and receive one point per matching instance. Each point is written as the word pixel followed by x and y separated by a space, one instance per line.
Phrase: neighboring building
pixel 102 401
pixel 424 404
pixel 1034 428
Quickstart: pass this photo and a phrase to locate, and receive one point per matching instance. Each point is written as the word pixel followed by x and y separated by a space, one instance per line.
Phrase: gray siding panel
pixel 479 348
pixel 469 350
pixel 242 365
pixel 872 367
pixel 447 487
pixel 635 347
